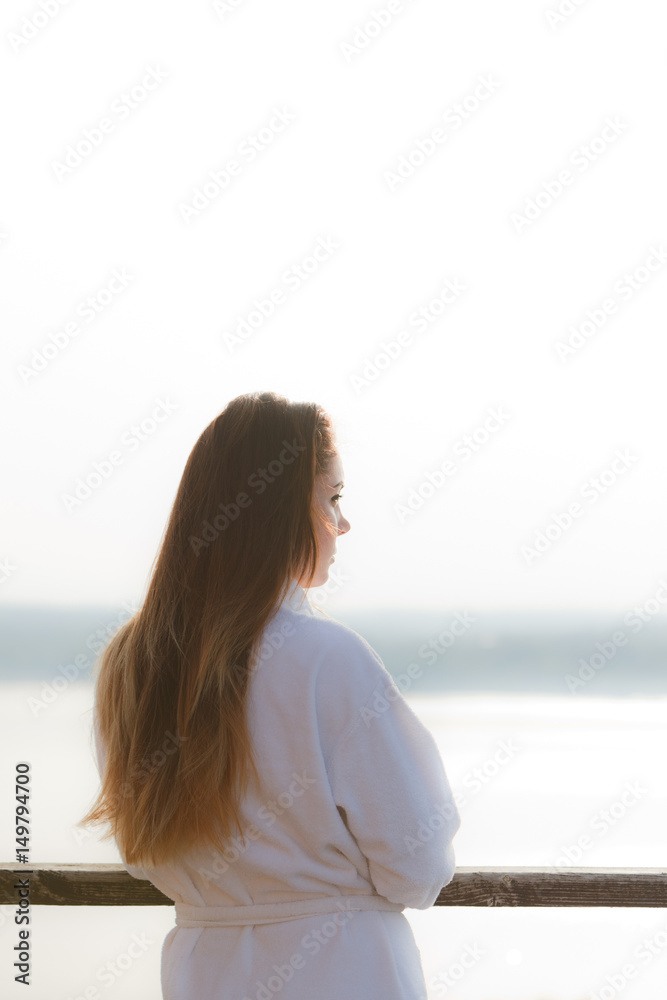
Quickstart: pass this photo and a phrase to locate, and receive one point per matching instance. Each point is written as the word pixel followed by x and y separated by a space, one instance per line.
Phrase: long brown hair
pixel 170 686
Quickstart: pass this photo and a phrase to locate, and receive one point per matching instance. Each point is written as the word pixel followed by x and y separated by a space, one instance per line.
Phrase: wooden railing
pixel 112 885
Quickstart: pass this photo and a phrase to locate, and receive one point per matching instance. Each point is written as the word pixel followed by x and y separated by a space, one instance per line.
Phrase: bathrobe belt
pixel 271 913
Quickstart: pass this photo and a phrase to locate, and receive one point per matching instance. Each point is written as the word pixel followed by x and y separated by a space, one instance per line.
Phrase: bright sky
pixel 426 200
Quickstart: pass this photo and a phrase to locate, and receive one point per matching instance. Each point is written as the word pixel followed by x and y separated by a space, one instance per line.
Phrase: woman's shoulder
pixel 340 659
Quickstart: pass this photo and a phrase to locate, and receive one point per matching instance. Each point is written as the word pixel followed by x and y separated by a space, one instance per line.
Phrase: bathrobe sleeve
pixel 389 783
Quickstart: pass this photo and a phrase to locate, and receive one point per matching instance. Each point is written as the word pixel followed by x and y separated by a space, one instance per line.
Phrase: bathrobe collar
pixel 297 600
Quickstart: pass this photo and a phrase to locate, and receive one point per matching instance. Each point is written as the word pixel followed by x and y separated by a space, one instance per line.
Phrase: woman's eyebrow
pixel 337 485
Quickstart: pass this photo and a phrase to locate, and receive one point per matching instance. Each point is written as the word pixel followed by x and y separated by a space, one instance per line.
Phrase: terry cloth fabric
pixel 354 823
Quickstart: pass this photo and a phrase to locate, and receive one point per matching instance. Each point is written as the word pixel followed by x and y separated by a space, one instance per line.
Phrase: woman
pixel 258 765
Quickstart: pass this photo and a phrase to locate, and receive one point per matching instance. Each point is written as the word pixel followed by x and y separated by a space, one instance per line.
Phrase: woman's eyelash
pixel 339 496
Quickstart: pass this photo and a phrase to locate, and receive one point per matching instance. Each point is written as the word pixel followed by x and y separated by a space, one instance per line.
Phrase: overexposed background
pixel 127 272
pixel 218 75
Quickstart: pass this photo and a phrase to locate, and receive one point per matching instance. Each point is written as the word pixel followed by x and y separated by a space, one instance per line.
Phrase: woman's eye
pixel 339 496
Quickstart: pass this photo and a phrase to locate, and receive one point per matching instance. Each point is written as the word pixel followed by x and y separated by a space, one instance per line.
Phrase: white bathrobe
pixel 355 823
